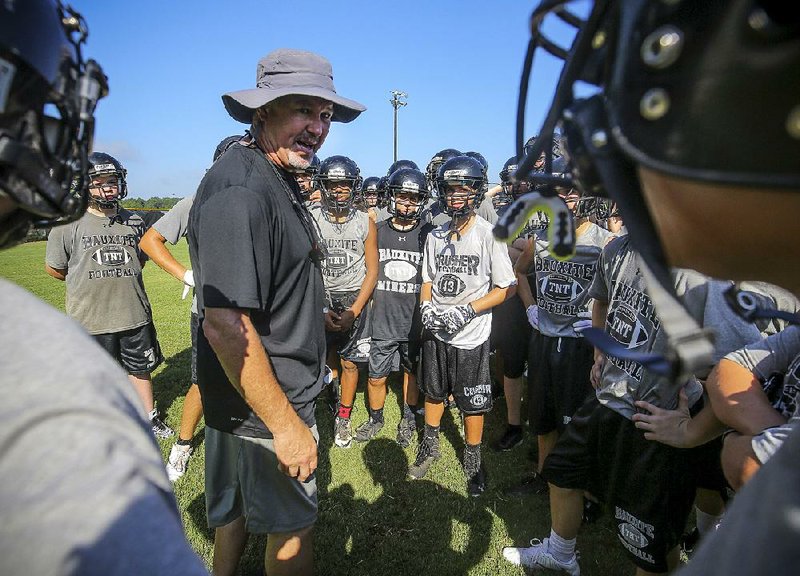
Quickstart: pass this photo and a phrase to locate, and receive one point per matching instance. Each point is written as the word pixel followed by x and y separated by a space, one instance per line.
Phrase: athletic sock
pixel 182 442
pixel 376 415
pixel 344 411
pixel 706 522
pixel 408 413
pixel 515 427
pixel 561 549
pixel 472 459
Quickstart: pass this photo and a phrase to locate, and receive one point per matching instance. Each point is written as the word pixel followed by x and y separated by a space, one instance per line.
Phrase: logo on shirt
pixel 400 271
pixel 450 285
pixel 111 255
pixel 339 260
pixel 560 289
pixel 626 327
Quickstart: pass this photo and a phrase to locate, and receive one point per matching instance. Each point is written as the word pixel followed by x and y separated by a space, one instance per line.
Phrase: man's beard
pixel 297 161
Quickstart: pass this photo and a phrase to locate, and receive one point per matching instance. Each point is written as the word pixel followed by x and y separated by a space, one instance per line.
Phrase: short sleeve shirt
pixel 105 290
pixel 465 269
pixel 251 249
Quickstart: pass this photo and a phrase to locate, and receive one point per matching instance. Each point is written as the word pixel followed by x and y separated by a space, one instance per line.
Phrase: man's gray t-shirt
pixel 105 290
pixel 174 225
pixel 562 287
pixel 344 269
pixel 633 322
pixel 83 488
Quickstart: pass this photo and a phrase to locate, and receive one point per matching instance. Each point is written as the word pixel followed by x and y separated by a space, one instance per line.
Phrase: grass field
pixel 373 520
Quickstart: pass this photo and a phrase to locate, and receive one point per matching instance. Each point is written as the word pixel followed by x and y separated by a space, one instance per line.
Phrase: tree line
pixel 153 203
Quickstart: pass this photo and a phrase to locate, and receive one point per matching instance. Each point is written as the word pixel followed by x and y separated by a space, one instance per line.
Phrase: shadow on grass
pixel 413 527
pixel 173 380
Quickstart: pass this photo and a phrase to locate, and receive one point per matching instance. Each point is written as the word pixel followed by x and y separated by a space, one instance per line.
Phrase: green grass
pixel 372 519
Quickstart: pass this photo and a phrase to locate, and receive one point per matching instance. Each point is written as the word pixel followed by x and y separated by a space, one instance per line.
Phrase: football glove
pixel 532 312
pixel 188 283
pixel 583 322
pixel 430 316
pixel 457 317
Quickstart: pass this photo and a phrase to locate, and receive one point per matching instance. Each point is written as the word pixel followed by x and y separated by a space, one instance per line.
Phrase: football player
pixel 99 258
pixel 466 272
pixel 349 272
pixel 396 327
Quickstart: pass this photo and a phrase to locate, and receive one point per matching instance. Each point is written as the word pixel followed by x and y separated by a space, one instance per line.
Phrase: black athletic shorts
pixel 558 380
pixel 510 335
pixel 445 370
pixel 194 325
pixel 354 344
pixel 137 349
pixel 648 486
pixel 387 356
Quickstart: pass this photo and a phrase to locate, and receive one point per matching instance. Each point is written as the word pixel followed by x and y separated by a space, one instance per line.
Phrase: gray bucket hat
pixel 286 71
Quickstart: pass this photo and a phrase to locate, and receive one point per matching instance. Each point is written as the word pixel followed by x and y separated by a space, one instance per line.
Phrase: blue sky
pixel 168 63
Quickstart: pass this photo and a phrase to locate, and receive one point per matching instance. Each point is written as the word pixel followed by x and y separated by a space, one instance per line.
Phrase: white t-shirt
pixel 463 270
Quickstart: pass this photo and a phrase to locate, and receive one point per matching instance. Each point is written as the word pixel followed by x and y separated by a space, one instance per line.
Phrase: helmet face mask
pixel 46 114
pixel 339 180
pixel 407 193
pixel 461 184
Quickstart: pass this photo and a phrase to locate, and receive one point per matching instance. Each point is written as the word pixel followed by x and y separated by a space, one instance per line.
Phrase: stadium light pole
pixel 396 102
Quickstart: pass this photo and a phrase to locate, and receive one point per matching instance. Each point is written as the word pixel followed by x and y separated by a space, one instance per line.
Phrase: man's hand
pixel 584 321
pixel 188 283
pixel 331 321
pixel 346 319
pixel 430 316
pixel 669 427
pixel 597 371
pixel 533 315
pixel 457 317
pixel 296 451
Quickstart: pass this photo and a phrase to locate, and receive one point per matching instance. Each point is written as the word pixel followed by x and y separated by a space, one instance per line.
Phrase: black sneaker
pixel 427 454
pixel 368 430
pixel 475 473
pixel 405 431
pixel 509 440
pixel 476 484
pixel 532 485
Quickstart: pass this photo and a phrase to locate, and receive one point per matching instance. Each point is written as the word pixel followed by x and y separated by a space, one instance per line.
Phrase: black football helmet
pixel 407 182
pixel 461 171
pixel 313 166
pixel 116 187
pixel 383 193
pixel 438 159
pixel 369 191
pixel 224 144
pixel 401 164
pixel 48 95
pixel 479 157
pixel 338 169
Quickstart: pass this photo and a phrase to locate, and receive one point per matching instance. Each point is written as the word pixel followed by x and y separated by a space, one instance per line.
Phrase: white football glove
pixel 583 322
pixel 188 283
pixel 430 316
pixel 532 312
pixel 457 317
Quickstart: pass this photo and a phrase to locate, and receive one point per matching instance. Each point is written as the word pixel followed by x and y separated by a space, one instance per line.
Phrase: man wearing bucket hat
pixel 261 346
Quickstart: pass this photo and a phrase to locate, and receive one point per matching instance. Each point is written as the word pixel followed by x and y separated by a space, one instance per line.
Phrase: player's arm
pixel 521 269
pixel 57 273
pixel 240 351
pixel 426 292
pixel 739 461
pixel 494 297
pixel 599 315
pixel 154 245
pixel 347 317
pixel 738 400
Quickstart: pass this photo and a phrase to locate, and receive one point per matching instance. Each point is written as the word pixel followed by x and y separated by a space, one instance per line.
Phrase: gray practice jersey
pixel 633 322
pixel 344 269
pixel 562 287
pixel 83 488
pixel 174 225
pixel 464 270
pixel 105 291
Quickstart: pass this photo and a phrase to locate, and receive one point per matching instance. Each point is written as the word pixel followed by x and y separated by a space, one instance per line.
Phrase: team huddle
pixel 593 280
